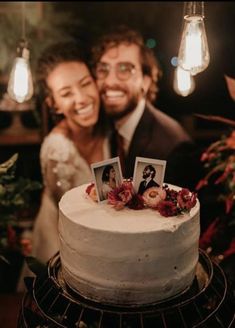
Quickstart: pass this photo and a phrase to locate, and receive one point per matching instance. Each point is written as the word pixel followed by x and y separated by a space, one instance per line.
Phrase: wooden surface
pixel 33 138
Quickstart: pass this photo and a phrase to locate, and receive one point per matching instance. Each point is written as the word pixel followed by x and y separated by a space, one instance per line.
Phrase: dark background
pixel 162 21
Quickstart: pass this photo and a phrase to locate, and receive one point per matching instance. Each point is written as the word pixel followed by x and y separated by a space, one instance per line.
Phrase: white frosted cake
pixel 126 256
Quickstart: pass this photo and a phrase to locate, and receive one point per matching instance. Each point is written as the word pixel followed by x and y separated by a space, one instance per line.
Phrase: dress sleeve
pixel 58 165
pixel 105 190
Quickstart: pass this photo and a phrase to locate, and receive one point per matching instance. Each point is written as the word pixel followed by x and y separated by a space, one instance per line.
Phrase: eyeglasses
pixel 123 70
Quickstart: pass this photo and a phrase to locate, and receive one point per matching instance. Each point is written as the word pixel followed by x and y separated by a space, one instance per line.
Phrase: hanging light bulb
pixel 20 85
pixel 184 83
pixel 194 52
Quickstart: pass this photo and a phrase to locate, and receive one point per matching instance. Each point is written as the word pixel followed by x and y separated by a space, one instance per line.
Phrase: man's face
pixel 121 93
pixel 146 173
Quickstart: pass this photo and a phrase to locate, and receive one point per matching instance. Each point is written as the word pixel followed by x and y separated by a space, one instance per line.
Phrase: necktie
pixel 121 151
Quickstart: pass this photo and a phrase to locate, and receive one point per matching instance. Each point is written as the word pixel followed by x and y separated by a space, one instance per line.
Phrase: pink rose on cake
pixel 91 191
pixel 152 196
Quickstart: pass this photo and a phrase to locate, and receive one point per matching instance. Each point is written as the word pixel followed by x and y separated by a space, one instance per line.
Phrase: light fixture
pixel 193 51
pixel 20 85
pixel 184 83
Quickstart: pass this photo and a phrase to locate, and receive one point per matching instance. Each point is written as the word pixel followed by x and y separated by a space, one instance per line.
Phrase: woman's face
pixel 74 93
pixel 112 173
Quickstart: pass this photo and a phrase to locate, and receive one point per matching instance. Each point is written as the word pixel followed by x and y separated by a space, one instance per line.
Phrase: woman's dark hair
pixel 55 54
pixel 52 56
pixel 123 34
pixel 106 172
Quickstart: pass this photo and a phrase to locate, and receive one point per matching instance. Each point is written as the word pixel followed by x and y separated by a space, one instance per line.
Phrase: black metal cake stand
pixel 208 303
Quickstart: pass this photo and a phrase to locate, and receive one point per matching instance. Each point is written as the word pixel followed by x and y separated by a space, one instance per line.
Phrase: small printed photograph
pixel 107 176
pixel 148 173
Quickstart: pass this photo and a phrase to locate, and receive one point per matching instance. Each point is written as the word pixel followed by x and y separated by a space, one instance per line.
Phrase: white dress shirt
pixel 128 128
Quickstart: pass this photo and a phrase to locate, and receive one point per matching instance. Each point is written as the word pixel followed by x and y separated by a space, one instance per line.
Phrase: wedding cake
pixel 126 256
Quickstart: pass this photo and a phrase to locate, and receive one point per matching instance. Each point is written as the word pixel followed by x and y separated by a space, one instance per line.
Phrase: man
pixel 127 74
pixel 148 182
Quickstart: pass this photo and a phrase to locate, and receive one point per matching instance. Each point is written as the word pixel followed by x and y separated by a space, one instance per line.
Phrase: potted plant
pixel 218 239
pixel 16 204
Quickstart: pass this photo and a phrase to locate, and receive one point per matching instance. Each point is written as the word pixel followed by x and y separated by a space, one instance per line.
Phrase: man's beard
pixel 129 108
pixel 146 175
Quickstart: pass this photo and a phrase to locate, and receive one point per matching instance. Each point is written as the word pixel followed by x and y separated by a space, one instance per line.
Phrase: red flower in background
pixel 219 162
pixel 206 238
pixel 231 140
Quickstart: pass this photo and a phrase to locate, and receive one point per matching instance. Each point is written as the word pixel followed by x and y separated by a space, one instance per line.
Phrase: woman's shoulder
pixel 54 139
pixel 57 146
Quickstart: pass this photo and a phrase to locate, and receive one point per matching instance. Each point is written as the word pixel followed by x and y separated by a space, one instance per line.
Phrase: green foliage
pixel 15 197
pixel 41 29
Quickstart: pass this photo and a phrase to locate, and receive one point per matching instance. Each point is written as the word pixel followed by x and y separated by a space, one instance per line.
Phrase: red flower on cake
pixel 91 191
pixel 171 194
pixel 167 208
pixel 168 202
pixel 176 202
pixel 136 202
pixel 120 196
pixel 186 199
pixel 152 196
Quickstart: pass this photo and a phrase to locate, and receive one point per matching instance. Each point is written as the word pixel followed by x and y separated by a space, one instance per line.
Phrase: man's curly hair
pixel 123 34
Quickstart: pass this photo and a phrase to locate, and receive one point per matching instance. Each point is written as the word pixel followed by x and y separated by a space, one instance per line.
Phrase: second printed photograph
pixel 148 173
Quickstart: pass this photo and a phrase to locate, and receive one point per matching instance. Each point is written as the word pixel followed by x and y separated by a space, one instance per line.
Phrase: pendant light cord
pixel 23 20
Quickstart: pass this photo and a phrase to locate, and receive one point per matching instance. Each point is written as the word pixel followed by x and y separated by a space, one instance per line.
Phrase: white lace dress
pixel 62 169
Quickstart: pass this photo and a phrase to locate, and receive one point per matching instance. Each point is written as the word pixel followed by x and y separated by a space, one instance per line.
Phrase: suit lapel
pixel 141 138
pixel 143 134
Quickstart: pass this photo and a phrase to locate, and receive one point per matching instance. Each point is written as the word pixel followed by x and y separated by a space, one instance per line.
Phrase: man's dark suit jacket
pixel 158 136
pixel 143 186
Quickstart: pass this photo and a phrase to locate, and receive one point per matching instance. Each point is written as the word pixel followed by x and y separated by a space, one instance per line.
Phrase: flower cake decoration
pixel 168 202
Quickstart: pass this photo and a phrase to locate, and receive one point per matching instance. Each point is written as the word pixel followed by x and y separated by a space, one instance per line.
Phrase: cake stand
pixel 208 303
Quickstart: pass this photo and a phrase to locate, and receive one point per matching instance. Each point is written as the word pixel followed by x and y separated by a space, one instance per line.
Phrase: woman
pixel 108 180
pixel 76 141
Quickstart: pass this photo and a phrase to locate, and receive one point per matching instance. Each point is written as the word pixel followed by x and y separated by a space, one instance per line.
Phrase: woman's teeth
pixel 85 110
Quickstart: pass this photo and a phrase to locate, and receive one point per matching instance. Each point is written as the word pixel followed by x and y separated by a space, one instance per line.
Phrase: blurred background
pixel 23 129
pixel 161 25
